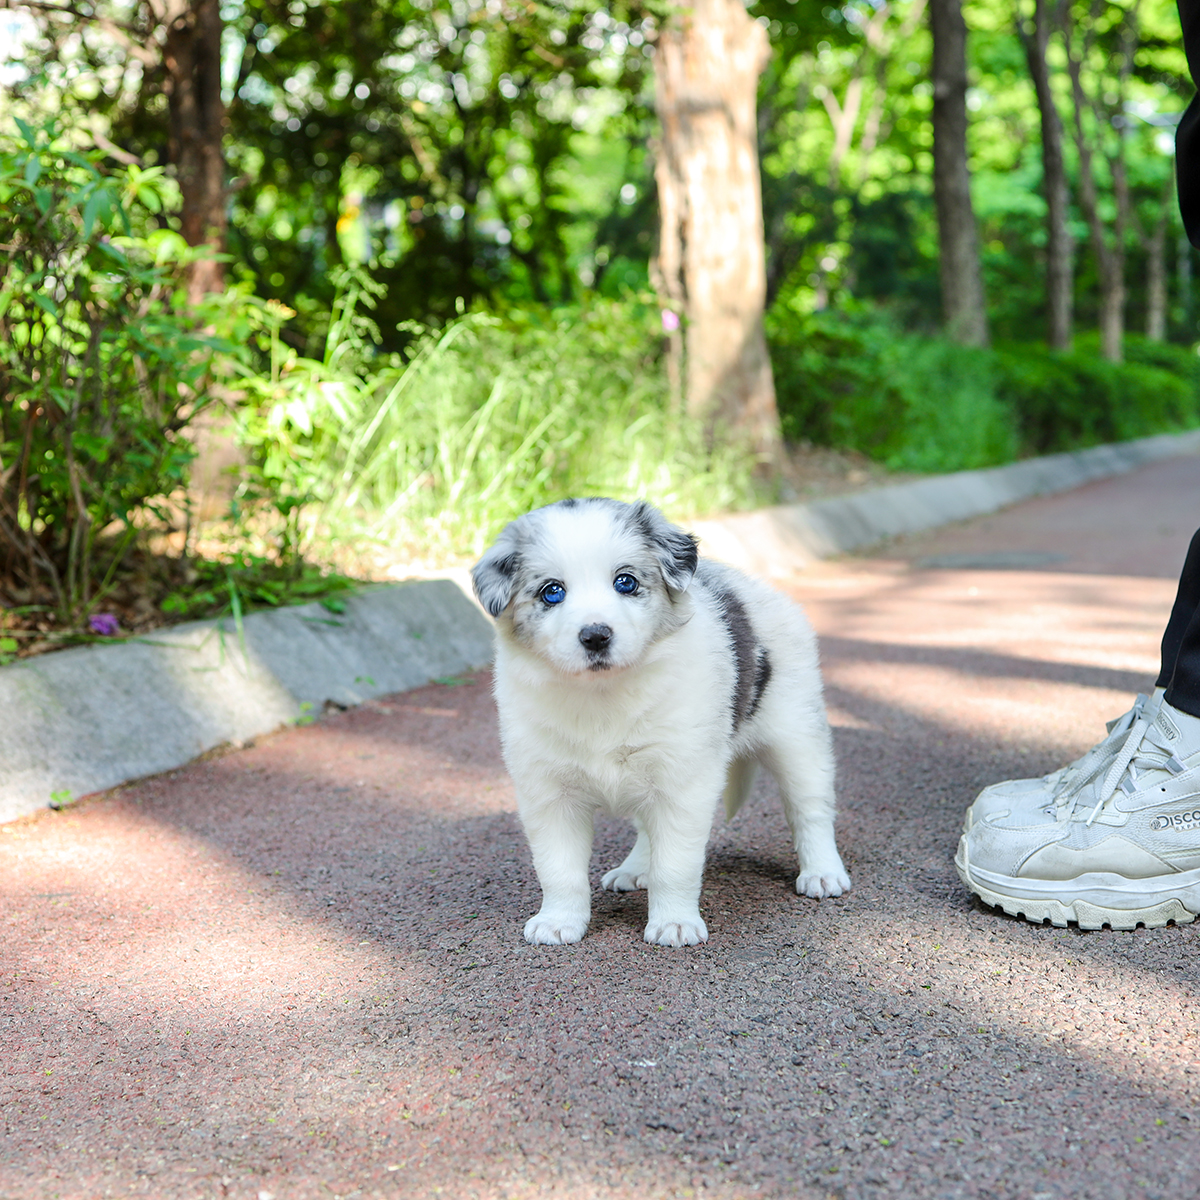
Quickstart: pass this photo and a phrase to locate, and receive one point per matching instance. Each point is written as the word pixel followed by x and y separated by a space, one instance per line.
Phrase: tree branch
pixel 130 37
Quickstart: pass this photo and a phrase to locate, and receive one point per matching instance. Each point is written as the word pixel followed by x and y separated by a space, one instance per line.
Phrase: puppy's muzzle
pixel 596 639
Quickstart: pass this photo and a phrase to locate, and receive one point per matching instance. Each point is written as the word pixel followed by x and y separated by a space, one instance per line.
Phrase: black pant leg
pixel 1180 665
pixel 1187 604
pixel 1180 673
pixel 1187 135
pixel 1184 691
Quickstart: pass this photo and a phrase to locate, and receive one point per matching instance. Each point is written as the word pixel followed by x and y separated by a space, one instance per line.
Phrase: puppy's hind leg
pixel 631 874
pixel 802 762
pixel 742 774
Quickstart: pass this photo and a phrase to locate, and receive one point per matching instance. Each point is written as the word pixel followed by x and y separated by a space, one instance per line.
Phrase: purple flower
pixel 670 320
pixel 105 624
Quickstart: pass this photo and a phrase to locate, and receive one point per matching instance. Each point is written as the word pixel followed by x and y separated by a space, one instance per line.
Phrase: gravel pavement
pixel 296 970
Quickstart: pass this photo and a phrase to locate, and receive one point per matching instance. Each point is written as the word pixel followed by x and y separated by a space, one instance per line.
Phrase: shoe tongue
pixel 1179 730
pixel 1167 727
pixel 1161 732
pixel 1130 768
pixel 1171 735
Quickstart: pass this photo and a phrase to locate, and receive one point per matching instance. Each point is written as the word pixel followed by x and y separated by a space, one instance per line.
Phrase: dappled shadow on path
pixel 298 969
pixel 981 665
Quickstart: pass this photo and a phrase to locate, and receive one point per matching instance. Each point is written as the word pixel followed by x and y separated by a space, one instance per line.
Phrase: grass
pixel 489 417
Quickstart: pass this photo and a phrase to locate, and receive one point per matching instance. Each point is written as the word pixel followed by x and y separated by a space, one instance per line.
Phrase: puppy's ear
pixel 495 574
pixel 674 549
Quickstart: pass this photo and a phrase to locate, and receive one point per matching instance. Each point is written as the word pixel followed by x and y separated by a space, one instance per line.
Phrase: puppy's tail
pixel 742 774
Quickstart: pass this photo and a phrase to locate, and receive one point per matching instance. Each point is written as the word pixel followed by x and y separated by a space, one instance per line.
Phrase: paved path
pixel 296 970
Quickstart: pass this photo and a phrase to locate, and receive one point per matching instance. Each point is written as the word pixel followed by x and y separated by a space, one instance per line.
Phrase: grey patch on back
pixel 750 657
pixel 762 676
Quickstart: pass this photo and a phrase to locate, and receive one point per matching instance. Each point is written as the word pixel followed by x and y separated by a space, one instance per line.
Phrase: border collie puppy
pixel 633 676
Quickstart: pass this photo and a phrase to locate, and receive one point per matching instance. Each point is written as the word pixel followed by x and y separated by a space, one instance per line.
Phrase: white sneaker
pixel 1122 849
pixel 1037 798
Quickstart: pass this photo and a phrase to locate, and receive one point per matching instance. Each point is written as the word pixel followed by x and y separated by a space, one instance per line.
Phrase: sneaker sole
pixel 1091 902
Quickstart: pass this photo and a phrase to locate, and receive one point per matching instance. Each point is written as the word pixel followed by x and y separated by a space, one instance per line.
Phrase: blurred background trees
pixel 385 172
pixel 497 153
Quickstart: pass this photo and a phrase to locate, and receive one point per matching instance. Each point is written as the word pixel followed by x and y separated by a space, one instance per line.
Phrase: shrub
pixel 1068 401
pixel 481 420
pixel 923 404
pixel 99 370
pixel 911 403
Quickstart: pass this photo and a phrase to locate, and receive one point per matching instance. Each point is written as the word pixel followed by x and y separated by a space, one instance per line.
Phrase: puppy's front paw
pixel 690 931
pixel 620 880
pixel 555 929
pixel 822 884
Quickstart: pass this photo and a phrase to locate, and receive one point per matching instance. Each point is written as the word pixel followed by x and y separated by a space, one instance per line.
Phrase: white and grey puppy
pixel 633 676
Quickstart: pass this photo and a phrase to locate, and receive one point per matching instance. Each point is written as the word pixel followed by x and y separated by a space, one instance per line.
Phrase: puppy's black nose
pixel 595 638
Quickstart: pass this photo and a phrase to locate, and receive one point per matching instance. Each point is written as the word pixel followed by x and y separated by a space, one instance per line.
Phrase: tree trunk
pixel 192 56
pixel 1059 243
pixel 1108 242
pixel 1156 284
pixel 1110 259
pixel 958 238
pixel 1155 245
pixel 711 252
pixel 1112 308
pixel 1156 279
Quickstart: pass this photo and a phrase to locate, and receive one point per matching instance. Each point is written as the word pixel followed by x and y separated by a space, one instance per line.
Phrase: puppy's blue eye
pixel 553 593
pixel 625 584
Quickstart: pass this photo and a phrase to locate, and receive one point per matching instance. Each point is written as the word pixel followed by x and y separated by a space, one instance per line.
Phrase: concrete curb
pixel 775 541
pixel 89 718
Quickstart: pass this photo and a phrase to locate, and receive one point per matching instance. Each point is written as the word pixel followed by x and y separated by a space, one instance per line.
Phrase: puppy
pixel 634 676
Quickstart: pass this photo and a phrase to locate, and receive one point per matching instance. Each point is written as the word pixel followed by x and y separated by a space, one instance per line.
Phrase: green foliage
pixel 911 403
pixel 469 149
pixel 497 151
pixel 1067 401
pixel 241 582
pixel 483 419
pixel 99 371
pixel 846 150
pixel 923 404
pixel 488 153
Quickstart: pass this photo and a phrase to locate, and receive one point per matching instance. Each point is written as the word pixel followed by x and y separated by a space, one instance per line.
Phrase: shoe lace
pixel 1145 748
pixel 1084 769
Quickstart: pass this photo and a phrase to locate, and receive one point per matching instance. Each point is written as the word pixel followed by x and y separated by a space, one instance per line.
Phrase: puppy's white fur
pixel 651 704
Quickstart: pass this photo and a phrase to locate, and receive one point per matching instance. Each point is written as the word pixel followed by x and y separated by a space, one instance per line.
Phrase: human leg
pixel 1181 625
pixel 1122 850
pixel 1032 797
pixel 1114 839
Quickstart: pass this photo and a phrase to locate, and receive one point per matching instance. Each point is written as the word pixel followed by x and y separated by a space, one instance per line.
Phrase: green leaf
pixel 33 170
pixel 80 161
pixel 96 201
pixel 45 304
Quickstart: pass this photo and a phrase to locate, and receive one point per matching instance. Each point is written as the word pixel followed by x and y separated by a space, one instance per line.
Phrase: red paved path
pixel 297 970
